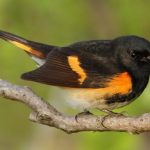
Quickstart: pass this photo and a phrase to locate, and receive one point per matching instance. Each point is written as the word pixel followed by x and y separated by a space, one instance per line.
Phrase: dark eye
pixel 140 55
pixel 133 53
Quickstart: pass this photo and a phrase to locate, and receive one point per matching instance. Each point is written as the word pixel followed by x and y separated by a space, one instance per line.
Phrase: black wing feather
pixel 57 71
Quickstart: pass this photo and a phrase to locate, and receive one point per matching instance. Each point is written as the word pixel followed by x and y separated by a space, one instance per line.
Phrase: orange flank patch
pixel 28 49
pixel 75 66
pixel 118 84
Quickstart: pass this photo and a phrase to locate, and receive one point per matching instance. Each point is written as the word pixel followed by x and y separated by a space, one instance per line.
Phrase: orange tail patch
pixel 28 49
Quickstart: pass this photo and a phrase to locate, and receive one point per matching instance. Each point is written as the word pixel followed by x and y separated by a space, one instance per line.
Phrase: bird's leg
pixel 85 112
pixel 111 113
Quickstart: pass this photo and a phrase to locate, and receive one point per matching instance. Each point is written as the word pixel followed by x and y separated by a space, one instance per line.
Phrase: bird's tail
pixel 38 50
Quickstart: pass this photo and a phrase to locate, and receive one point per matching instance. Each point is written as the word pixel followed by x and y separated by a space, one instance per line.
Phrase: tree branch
pixel 46 114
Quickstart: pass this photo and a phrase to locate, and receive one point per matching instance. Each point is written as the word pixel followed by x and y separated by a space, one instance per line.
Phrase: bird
pixel 94 74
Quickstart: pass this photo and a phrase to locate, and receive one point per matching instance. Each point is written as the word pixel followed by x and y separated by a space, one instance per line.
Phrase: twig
pixel 46 114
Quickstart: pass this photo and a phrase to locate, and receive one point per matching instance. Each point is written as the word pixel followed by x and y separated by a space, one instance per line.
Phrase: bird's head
pixel 133 53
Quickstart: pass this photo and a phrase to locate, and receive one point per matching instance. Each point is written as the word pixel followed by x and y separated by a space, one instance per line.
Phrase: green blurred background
pixel 61 22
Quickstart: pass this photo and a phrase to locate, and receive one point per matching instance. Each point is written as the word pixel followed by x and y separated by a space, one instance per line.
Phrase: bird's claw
pixel 82 114
pixel 111 114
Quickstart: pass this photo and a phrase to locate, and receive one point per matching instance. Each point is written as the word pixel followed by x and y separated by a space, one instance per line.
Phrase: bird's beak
pixel 148 58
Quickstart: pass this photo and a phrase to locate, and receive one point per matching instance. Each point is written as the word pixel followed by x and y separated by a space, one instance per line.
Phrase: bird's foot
pixel 111 114
pixel 86 112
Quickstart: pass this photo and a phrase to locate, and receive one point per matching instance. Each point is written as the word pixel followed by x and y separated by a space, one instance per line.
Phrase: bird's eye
pixel 139 55
pixel 133 53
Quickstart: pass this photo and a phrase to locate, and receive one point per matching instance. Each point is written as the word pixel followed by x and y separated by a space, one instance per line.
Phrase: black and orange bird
pixel 101 74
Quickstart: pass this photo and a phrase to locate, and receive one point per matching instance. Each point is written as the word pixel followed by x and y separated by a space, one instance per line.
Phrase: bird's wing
pixel 70 68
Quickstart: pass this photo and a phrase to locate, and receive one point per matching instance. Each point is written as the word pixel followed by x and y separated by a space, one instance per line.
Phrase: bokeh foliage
pixel 61 22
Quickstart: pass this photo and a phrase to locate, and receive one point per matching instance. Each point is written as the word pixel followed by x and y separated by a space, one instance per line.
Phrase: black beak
pixel 148 58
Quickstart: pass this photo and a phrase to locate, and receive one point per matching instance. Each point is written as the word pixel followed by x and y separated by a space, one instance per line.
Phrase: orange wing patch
pixel 28 49
pixel 75 66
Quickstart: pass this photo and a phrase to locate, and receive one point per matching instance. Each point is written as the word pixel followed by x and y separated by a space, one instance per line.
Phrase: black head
pixel 133 53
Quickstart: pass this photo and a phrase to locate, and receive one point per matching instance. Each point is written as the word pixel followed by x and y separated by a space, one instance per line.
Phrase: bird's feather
pixel 69 68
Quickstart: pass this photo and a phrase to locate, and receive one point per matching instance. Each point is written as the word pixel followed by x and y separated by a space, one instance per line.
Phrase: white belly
pixel 85 99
